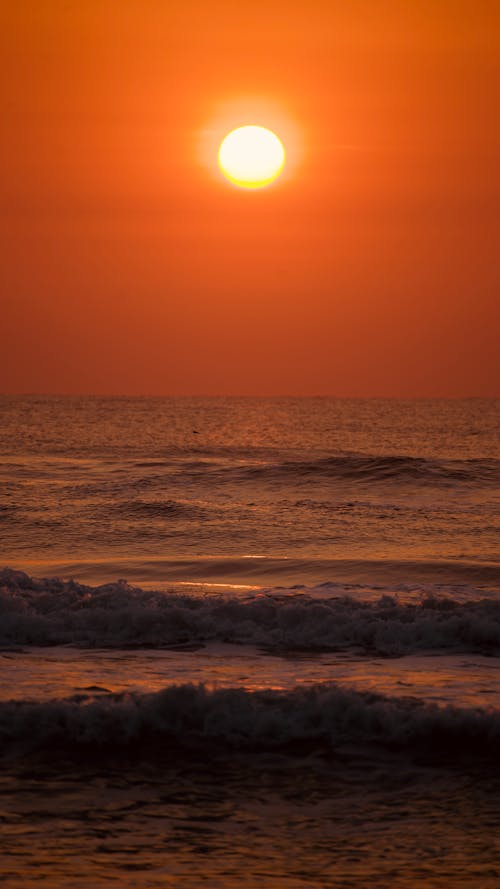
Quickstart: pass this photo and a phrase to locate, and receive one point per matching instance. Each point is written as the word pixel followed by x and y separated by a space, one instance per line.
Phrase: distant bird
pixel 195 432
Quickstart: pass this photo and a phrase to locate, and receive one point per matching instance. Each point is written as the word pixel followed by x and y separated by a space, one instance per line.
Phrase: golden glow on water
pixel 61 672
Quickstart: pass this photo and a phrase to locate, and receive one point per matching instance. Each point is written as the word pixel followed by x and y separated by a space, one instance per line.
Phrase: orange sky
pixel 129 266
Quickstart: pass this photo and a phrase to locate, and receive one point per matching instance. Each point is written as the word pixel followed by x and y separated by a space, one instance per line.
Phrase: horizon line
pixel 373 397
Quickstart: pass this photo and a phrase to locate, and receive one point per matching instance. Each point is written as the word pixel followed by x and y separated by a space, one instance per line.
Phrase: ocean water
pixel 249 642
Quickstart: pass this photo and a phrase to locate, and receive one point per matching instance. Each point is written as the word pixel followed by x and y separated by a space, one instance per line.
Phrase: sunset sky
pixel 131 266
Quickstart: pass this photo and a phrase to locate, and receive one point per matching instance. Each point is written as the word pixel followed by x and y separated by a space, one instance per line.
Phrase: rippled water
pixel 156 489
pixel 273 823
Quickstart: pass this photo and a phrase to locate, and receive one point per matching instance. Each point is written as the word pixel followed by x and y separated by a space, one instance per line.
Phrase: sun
pixel 251 157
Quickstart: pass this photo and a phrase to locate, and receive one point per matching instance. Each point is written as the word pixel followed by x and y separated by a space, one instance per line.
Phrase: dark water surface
pixel 276 821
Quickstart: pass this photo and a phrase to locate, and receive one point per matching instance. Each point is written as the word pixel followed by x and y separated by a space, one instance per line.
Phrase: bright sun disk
pixel 251 156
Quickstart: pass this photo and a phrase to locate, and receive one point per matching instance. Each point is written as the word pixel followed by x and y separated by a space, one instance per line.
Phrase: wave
pixel 225 467
pixel 366 578
pixel 230 465
pixel 188 716
pixel 373 469
pixel 54 612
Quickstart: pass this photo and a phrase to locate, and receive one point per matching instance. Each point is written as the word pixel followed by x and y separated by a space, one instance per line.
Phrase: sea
pixel 249 642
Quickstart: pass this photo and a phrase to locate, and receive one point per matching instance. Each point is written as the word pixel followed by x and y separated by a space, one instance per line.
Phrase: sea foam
pixel 191 716
pixel 55 612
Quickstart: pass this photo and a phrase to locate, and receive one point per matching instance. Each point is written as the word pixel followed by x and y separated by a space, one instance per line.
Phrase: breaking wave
pixel 55 612
pixel 193 717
